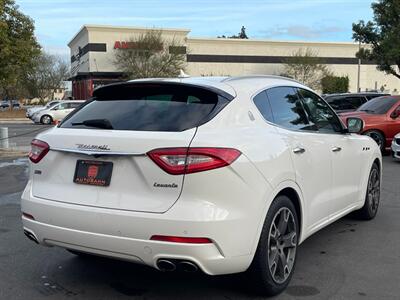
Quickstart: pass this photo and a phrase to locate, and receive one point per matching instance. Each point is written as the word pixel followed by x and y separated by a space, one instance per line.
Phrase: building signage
pixel 124 45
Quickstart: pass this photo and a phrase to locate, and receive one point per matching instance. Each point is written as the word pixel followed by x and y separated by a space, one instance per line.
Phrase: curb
pixel 17 120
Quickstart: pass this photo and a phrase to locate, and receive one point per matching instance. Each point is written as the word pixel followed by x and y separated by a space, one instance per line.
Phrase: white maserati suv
pixel 218 174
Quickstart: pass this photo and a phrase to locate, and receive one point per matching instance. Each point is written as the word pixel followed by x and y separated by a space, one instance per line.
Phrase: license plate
pixel 93 172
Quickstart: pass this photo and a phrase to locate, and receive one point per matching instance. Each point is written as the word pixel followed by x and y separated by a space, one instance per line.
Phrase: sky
pixel 57 21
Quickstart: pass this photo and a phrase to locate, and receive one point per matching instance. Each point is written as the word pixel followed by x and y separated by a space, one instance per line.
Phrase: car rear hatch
pixel 130 120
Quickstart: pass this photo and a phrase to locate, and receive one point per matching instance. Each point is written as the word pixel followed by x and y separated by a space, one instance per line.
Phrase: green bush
pixel 335 84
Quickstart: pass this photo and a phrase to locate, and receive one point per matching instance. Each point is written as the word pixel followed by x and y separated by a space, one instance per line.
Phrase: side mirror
pixel 55 108
pixel 355 125
pixel 395 114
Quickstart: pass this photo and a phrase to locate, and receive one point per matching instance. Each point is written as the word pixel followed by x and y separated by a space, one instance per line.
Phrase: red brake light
pixel 177 161
pixel 38 150
pixel 178 239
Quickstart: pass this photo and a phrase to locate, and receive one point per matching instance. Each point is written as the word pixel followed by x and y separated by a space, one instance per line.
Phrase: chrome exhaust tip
pixel 166 265
pixel 31 236
pixel 188 266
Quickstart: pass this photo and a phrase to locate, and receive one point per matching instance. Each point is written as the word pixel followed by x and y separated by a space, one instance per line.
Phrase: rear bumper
pixel 207 257
pixel 126 235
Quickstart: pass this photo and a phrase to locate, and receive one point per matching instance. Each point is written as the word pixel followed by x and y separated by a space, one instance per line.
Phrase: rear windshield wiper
pixel 97 123
pixel 367 110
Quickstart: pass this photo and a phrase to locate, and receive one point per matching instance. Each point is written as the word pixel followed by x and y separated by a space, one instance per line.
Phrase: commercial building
pixel 93 49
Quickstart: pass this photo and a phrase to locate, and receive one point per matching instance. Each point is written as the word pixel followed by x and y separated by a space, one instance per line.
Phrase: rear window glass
pixel 380 105
pixel 155 107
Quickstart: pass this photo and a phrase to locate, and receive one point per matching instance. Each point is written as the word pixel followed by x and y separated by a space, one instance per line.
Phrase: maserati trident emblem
pixel 92 171
pixel 93 147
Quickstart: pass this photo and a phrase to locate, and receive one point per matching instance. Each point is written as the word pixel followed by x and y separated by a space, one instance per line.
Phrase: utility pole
pixel 359 68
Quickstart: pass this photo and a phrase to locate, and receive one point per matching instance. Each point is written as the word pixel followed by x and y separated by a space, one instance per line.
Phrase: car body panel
pixel 396 146
pixel 382 122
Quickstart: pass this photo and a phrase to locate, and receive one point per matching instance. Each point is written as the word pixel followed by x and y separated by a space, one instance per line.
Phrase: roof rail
pixel 259 76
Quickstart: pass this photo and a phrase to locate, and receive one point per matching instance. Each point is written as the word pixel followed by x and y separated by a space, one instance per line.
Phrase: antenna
pixel 182 74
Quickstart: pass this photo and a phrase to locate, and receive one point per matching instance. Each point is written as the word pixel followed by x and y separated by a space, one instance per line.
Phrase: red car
pixel 381 118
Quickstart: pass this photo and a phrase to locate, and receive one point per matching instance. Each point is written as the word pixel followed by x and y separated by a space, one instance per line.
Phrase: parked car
pixel 381 118
pixel 4 104
pixel 30 111
pixel 350 101
pixel 15 104
pixel 222 175
pixel 56 112
pixel 396 146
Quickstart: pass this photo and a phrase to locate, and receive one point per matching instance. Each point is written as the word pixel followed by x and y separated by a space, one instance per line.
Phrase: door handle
pixel 336 149
pixel 299 150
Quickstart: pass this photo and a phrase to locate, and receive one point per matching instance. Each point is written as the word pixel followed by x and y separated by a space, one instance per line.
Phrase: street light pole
pixel 359 68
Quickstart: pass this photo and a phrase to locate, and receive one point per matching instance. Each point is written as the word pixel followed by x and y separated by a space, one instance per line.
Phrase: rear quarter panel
pixel 253 181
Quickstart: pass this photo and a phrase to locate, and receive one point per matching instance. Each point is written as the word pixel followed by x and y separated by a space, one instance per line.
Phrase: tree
pixel 150 55
pixel 306 67
pixel 46 76
pixel 241 35
pixel 382 34
pixel 18 48
pixel 335 84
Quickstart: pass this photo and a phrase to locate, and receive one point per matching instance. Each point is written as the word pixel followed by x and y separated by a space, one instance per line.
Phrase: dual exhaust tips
pixel 31 236
pixel 170 265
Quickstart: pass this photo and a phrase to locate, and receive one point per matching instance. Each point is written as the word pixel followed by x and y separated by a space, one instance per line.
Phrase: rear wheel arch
pixel 378 163
pixel 378 131
pixel 291 190
pixel 295 199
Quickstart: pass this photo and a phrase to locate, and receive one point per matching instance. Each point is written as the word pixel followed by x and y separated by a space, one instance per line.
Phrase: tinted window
pixel 369 97
pixel 262 103
pixel 356 101
pixel 287 109
pixel 74 104
pixel 150 107
pixel 320 115
pixel 380 105
pixel 345 102
pixel 62 106
pixel 52 103
pixel 339 103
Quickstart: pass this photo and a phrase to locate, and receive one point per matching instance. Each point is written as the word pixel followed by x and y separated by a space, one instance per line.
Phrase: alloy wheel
pixel 46 120
pixel 282 244
pixel 373 190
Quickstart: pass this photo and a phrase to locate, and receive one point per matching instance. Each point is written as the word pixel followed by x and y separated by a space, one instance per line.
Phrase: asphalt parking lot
pixel 349 259
pixel 20 135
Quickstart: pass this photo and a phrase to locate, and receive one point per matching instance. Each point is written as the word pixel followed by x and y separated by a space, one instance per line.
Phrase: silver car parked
pixel 56 112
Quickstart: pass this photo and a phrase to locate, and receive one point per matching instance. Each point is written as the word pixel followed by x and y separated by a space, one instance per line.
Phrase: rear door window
pixel 287 109
pixel 150 107
pixel 356 101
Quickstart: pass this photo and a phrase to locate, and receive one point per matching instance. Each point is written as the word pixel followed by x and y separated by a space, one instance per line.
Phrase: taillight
pixel 177 161
pixel 38 150
pixel 179 239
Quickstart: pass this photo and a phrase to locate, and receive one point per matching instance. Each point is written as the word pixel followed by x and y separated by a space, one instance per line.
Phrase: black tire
pixel 378 137
pixel 46 120
pixel 372 197
pixel 263 274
